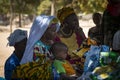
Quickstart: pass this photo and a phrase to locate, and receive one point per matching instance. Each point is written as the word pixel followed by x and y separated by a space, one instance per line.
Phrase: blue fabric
pixel 1 78
pixel 93 57
pixel 56 75
pixel 17 36
pixel 10 65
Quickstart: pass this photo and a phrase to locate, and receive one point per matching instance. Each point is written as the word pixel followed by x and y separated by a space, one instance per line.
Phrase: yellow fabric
pixel 104 76
pixel 71 43
pixel 81 52
pixel 34 70
pixel 104 69
pixel 91 42
pixel 64 12
pixel 68 68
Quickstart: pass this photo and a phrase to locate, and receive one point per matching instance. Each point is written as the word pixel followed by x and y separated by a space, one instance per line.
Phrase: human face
pixel 71 21
pixel 96 20
pixel 62 54
pixel 20 46
pixel 50 33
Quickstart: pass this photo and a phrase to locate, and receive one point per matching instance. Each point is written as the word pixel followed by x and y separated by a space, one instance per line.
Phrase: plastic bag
pixel 93 57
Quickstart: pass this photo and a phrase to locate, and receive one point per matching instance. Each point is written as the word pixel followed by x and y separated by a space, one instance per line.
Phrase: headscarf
pixel 17 36
pixel 38 28
pixel 64 12
pixel 116 41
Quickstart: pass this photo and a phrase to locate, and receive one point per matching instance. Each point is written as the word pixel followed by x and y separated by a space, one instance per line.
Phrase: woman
pixel 43 29
pixel 70 33
pixel 35 63
pixel 18 40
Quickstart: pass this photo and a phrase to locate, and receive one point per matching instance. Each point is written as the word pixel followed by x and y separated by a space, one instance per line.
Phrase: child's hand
pixel 50 41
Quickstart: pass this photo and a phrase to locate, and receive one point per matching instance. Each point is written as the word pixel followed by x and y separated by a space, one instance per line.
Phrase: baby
pixel 62 66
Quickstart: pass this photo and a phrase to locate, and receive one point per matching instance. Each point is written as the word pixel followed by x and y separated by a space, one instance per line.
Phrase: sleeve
pixel 9 67
pixel 59 67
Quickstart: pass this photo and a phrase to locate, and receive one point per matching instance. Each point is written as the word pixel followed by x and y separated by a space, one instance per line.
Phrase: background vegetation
pixel 14 8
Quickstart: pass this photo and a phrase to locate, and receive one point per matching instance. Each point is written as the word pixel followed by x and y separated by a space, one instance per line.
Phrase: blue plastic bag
pixel 93 57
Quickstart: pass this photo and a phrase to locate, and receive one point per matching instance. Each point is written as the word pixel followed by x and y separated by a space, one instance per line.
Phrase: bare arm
pixel 79 30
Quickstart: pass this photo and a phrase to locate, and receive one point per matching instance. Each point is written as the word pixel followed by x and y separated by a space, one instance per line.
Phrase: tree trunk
pixel 11 16
pixel 53 8
pixel 20 25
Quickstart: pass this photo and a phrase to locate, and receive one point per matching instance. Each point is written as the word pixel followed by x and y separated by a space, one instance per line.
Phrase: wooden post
pixel 53 8
pixel 11 15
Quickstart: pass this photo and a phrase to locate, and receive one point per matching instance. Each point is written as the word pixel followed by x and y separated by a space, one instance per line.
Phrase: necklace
pixel 64 34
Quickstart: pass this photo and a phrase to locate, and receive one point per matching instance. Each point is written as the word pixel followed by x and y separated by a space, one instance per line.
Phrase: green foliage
pixel 44 7
pixel 25 6
pixel 90 6
pixel 4 6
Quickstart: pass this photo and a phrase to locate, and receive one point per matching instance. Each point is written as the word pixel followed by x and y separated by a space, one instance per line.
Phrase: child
pixel 95 32
pixel 63 67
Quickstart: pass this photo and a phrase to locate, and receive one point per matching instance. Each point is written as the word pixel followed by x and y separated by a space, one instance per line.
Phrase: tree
pixel 11 15
pixel 25 7
pixel 90 6
pixel 44 7
pixel 36 7
pixel 4 6
pixel 52 6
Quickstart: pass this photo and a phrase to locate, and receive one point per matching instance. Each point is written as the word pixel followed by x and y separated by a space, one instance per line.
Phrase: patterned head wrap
pixel 17 36
pixel 64 12
pixel 40 25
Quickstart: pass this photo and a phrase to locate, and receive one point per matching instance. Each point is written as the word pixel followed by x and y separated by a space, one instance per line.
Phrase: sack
pixel 34 70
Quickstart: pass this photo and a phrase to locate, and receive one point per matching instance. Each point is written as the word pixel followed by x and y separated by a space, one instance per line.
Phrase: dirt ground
pixel 6 51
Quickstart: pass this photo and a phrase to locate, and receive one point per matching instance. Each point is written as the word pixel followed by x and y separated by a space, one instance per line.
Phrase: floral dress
pixel 40 48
